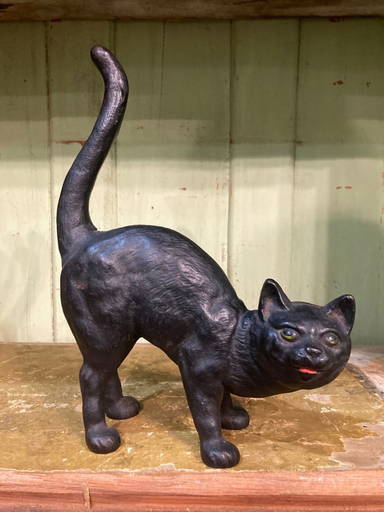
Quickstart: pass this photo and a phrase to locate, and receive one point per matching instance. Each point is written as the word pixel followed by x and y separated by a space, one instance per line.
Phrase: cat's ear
pixel 343 311
pixel 272 299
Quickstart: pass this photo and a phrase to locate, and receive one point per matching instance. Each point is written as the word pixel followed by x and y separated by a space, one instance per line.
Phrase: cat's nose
pixel 313 351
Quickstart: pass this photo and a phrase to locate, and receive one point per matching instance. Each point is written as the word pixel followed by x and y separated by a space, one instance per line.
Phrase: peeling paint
pixel 71 141
pixel 364 453
pixel 319 398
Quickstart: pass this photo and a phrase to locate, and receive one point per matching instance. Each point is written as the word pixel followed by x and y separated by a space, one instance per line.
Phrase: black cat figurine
pixel 152 282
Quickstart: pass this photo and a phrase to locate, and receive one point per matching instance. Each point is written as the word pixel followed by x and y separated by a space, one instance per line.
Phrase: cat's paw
pixel 219 453
pixel 235 419
pixel 102 439
pixel 125 408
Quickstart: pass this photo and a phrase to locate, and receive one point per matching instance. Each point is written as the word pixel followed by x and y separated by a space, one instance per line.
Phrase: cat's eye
pixel 289 334
pixel 331 339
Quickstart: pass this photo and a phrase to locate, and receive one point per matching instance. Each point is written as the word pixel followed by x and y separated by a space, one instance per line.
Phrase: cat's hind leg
pixel 99 437
pixel 117 406
pixel 103 352
pixel 102 393
pixel 232 418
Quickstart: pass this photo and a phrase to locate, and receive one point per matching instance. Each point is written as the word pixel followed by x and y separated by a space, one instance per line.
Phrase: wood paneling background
pixel 262 140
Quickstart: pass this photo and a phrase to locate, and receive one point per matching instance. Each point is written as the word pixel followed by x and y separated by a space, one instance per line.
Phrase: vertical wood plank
pixel 25 235
pixel 173 154
pixel 173 146
pixel 263 133
pixel 76 92
pixel 338 238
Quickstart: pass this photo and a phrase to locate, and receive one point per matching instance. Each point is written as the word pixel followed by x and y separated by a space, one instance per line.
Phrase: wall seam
pixel 51 182
pixel 163 42
pixel 294 148
pixel 230 149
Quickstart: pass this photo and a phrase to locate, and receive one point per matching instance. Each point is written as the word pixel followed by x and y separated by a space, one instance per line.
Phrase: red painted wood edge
pixel 193 491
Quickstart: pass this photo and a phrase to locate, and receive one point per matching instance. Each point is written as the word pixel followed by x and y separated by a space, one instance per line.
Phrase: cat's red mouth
pixel 309 371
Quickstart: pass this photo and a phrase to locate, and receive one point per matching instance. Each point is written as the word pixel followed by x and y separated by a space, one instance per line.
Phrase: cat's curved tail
pixel 73 220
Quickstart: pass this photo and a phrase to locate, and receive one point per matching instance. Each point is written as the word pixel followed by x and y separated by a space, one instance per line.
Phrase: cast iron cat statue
pixel 151 282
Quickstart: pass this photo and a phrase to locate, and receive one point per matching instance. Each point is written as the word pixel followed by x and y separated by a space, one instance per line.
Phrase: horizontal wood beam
pixel 45 10
pixel 207 491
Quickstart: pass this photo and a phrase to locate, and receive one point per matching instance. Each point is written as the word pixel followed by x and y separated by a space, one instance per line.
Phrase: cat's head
pixel 303 345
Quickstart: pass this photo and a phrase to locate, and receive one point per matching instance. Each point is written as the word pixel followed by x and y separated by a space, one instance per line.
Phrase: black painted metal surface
pixel 152 282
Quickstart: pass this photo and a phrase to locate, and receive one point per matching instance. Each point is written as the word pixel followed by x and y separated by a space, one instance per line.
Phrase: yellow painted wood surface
pixel 261 140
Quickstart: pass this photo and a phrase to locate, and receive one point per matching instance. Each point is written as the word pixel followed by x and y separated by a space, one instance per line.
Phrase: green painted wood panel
pixel 25 225
pixel 337 239
pixel 173 161
pixel 262 140
pixel 263 104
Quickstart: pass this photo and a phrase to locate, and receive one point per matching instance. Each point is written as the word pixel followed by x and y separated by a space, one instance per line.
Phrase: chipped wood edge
pixel 368 364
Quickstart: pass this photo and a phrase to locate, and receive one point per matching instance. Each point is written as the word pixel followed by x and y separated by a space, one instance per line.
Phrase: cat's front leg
pixel 204 392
